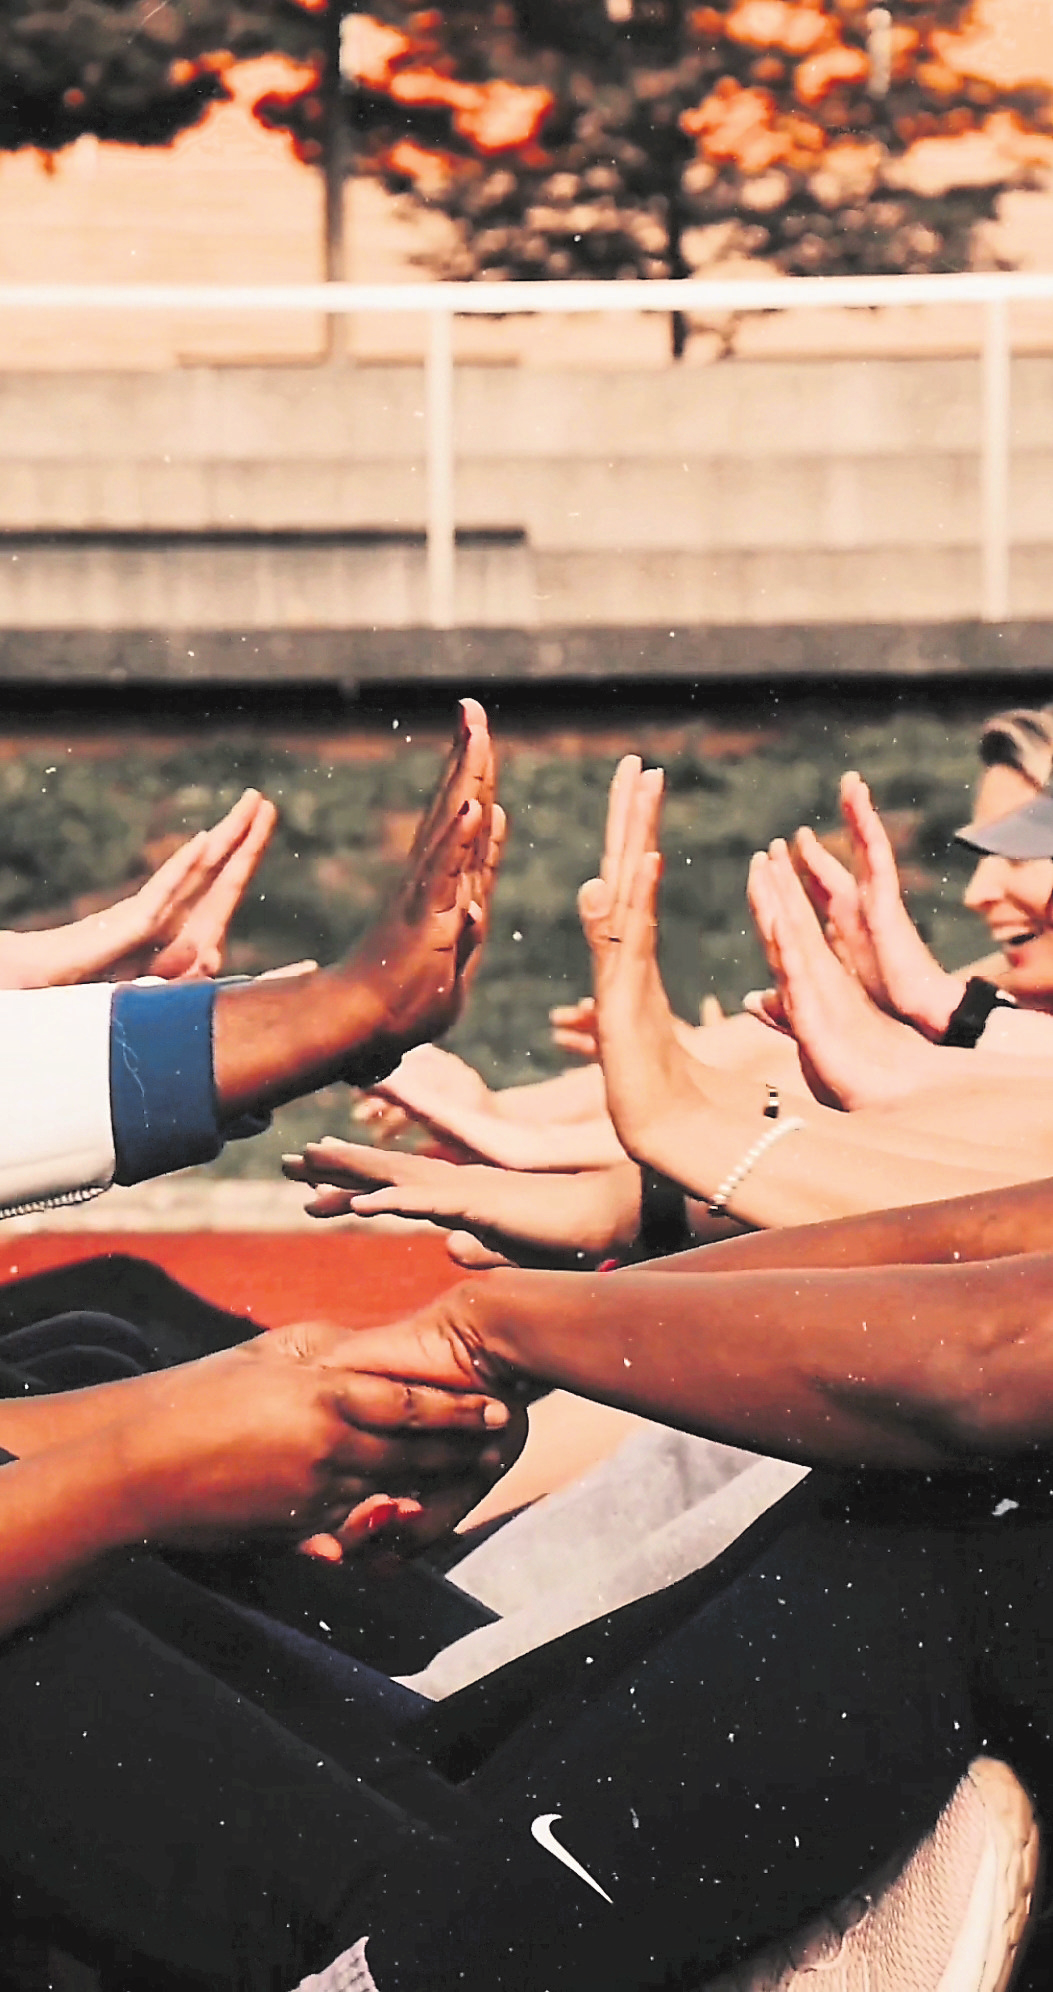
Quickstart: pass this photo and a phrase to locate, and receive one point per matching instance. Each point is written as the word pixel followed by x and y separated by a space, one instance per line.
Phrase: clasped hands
pixel 317 1434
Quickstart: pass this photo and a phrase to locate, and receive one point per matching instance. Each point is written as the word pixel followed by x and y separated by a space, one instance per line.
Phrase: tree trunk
pixel 334 168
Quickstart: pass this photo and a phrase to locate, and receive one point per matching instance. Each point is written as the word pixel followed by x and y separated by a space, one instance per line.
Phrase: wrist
pixel 941 998
pixel 500 1309
pixel 624 1195
pixel 366 1003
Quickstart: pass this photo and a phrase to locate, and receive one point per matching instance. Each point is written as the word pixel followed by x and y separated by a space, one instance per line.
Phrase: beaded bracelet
pixel 718 1202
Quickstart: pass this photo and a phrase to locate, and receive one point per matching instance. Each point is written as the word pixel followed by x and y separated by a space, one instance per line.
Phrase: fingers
pixel 761 900
pixel 208 920
pixel 468 771
pixel 641 918
pixel 468 1251
pixel 484 873
pixel 595 908
pixel 580 1044
pixel 389 1404
pixel 574 1016
pixel 827 878
pixel 226 835
pixel 641 839
pixel 349 1164
pixel 869 835
pixel 791 896
pixel 369 1522
pixel 766 1005
pixel 366 1182
pixel 443 879
pixel 619 805
pixel 157 896
pixel 394 1200
pixel 573 1027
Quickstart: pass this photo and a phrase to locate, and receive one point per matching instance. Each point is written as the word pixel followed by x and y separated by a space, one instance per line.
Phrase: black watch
pixel 663 1217
pixel 969 1020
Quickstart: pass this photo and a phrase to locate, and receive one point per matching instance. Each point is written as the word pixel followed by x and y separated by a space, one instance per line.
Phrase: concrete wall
pixel 750 493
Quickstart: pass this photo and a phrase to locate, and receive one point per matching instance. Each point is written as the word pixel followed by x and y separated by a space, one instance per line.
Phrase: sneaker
pixel 952 1919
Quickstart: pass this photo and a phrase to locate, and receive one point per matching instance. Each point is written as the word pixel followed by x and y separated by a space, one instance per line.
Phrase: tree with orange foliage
pixel 647 138
pixel 133 71
pixel 568 138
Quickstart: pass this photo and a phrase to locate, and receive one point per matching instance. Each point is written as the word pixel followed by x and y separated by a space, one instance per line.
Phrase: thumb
pixel 466 1250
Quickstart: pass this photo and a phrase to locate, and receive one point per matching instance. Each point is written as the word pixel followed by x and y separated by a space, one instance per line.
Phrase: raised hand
pixel 174 925
pixel 645 1067
pixel 917 987
pixel 852 1054
pixel 531 1219
pixel 191 937
pixel 837 901
pixel 414 960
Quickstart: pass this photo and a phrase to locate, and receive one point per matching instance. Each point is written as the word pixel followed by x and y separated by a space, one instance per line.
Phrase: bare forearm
pixel 275 1040
pixel 62 1513
pixel 79 952
pixel 833 1166
pixel 30 1425
pixel 990 1225
pixel 931 1367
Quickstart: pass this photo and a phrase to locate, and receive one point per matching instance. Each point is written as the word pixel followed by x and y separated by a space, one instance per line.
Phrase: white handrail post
pixel 440 487
pixel 994 462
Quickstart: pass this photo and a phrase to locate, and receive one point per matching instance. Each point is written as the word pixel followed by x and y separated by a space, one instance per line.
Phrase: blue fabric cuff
pixel 162 1090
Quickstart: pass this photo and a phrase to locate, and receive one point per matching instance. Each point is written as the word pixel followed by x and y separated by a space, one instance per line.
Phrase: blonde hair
pixel 1022 739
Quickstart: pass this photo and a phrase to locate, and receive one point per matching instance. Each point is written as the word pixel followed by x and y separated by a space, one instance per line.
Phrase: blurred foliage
pixel 133 71
pixel 76 823
pixel 651 138
pixel 574 138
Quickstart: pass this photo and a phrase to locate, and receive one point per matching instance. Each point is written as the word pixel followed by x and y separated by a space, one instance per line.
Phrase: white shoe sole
pixel 1000 1906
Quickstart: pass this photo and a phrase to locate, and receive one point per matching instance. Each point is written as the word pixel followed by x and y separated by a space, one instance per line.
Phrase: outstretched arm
pixel 696 1123
pixel 281 1435
pixel 931 1367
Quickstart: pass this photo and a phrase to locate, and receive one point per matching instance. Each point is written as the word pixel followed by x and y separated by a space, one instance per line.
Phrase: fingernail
pixel 495 1415
pixel 381 1515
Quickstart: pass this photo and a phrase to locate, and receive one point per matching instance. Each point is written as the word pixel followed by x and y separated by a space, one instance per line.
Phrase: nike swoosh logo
pixel 541 1828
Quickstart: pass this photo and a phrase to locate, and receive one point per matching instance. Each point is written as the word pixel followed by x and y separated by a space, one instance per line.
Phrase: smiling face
pixel 1015 895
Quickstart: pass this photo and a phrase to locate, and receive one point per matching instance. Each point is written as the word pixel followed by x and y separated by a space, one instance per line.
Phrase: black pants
pixel 174 1323
pixel 201 1798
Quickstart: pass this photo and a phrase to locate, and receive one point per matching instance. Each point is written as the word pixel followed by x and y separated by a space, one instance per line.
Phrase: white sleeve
pixel 56 1126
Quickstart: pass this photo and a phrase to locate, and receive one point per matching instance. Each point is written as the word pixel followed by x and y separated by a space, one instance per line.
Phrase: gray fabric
pixel 654 1475
pixel 601 1573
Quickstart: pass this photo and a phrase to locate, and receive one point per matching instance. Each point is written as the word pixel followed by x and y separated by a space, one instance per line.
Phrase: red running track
pixel 271 1277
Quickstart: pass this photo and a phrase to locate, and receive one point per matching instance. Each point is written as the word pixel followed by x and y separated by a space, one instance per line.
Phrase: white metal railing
pixel 994 291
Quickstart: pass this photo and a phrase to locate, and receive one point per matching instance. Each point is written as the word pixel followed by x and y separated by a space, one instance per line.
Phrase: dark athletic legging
pixel 201 1798
pixel 175 1324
